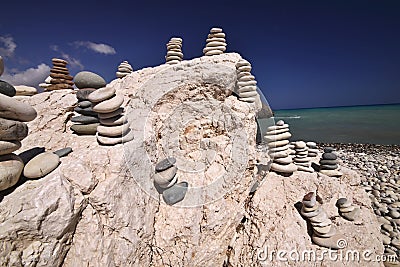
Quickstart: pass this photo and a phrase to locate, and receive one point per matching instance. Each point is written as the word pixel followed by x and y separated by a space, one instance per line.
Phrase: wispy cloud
pixel 29 77
pixel 7 46
pixel 73 62
pixel 98 48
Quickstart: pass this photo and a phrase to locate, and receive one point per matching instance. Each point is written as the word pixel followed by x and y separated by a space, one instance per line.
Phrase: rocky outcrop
pixel 100 206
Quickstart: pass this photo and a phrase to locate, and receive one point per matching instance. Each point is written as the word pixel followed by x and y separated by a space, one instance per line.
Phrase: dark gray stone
pixel 63 151
pixel 85 119
pixel 12 130
pixel 83 94
pixel 84 104
pixel 7 89
pixel 328 162
pixel 329 167
pixel 341 201
pixel 87 79
pixel 329 155
pixel 175 193
pixel 328 149
pixel 86 111
pixel 165 164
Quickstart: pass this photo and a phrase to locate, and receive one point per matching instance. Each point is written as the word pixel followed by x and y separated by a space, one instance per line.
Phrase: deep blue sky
pixel 304 53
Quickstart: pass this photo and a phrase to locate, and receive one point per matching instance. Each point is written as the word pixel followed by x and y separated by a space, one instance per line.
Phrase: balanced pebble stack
pixel 246 83
pixel 124 69
pixel 329 164
pixel 165 180
pixel 174 51
pixel 312 149
pixel 13 114
pixel 114 126
pixel 346 209
pixel 278 148
pixel 60 78
pixel 86 123
pixel 215 43
pixel 324 234
pixel 301 157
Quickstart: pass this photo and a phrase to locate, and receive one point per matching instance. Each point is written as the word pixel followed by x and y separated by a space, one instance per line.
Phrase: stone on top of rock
pixel 215 43
pixel 60 78
pixel 175 193
pixel 63 151
pixel 7 147
pixel 246 83
pixel 41 165
pixel 124 69
pixel 88 79
pixel 23 90
pixel 7 89
pixel 277 140
pixel 1 66
pixel 312 149
pixel 13 109
pixel 174 51
pixel 101 94
pixel 328 163
pixel 301 158
pixel 11 167
pixel 346 209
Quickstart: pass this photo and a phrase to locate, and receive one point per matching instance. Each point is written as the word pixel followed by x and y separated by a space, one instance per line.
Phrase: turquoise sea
pixel 379 124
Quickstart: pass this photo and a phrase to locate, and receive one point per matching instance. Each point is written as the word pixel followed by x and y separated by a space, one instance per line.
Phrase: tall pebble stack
pixel 174 51
pixel 215 43
pixel 246 83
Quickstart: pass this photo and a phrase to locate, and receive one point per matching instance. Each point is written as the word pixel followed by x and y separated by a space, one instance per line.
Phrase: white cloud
pixel 73 62
pixel 98 48
pixel 7 46
pixel 29 77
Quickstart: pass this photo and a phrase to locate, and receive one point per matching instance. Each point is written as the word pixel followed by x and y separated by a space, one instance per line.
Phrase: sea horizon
pixel 361 124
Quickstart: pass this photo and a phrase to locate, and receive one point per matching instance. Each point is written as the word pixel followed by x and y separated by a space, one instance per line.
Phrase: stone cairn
pixel 13 114
pixel 346 209
pixel 60 78
pixel 278 149
pixel 329 164
pixel 324 234
pixel 165 180
pixel 124 69
pixel 215 43
pixel 86 123
pixel 174 51
pixel 312 149
pixel 114 126
pixel 301 157
pixel 246 83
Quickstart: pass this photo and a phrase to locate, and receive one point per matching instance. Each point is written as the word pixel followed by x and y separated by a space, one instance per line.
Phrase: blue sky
pixel 304 53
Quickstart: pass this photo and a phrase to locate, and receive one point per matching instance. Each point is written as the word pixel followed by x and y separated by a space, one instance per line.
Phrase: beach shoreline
pixel 379 168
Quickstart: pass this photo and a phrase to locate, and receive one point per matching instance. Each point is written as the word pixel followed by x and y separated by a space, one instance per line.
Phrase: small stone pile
pixel 60 76
pixel 278 148
pixel 174 51
pixel 13 114
pixel 329 164
pixel 114 126
pixel 165 180
pixel 87 82
pixel 246 83
pixel 215 43
pixel 312 149
pixel 124 69
pixel 301 158
pixel 346 209
pixel 324 234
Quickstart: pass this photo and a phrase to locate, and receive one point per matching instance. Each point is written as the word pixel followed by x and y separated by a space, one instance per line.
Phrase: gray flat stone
pixel 87 79
pixel 175 193
pixel 164 178
pixel 85 119
pixel 102 94
pixel 84 104
pixel 10 108
pixel 84 93
pixel 165 164
pixel 330 156
pixel 7 89
pixel 63 151
pixel 7 147
pixel 86 111
pixel 85 129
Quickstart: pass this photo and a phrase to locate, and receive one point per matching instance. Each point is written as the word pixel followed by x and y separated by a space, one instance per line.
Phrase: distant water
pixel 378 124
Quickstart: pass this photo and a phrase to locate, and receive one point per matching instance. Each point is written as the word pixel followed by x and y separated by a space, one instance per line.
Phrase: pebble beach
pixel 379 167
